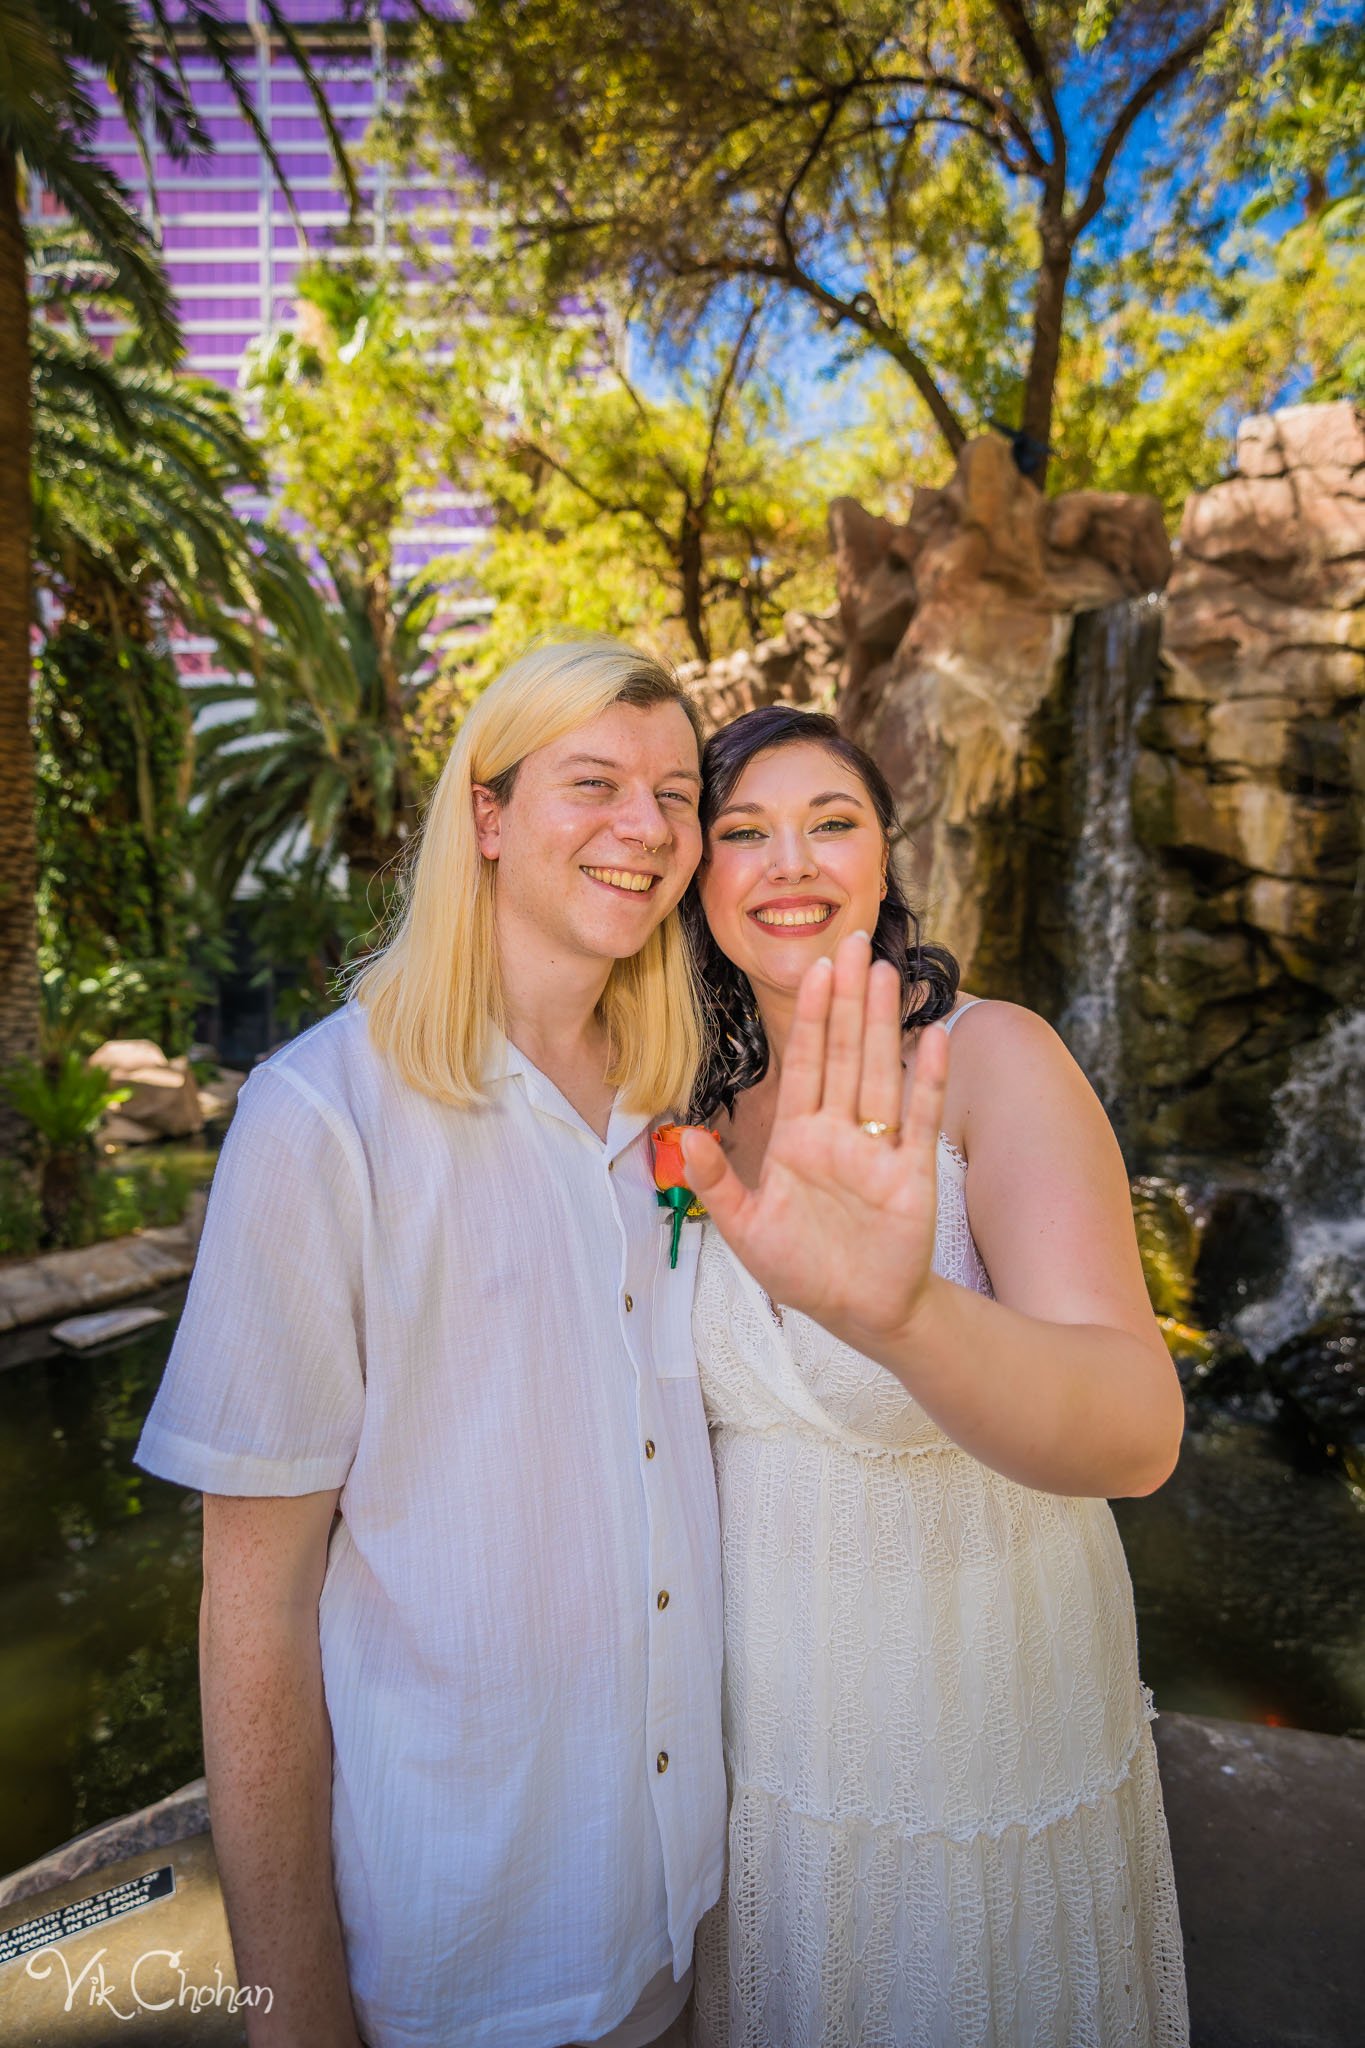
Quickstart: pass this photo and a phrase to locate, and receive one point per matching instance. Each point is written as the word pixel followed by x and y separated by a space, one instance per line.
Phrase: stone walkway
pixel 1268 1836
pixel 55 1284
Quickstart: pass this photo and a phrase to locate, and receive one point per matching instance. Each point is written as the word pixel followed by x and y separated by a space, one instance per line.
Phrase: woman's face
pixel 794 861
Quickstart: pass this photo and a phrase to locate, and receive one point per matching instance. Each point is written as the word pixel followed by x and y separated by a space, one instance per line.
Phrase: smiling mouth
pixel 786 920
pixel 623 879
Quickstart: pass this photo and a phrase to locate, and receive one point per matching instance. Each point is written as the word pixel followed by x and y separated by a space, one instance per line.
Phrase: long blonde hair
pixel 433 993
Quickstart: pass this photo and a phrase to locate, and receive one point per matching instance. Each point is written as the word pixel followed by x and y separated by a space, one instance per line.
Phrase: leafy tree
pixel 690 517
pixel 48 123
pixel 309 767
pixel 835 150
pixel 113 831
pixel 360 421
pixel 1247 293
pixel 63 1106
pixel 133 528
pixel 1296 131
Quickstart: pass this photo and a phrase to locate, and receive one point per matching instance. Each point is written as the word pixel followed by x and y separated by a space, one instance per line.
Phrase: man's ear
pixel 487 821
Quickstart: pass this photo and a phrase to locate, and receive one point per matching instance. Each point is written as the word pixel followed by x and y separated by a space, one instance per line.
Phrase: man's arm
pixel 268 1754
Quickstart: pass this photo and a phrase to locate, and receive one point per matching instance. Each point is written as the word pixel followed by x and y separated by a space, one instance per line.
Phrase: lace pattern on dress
pixel 946 1821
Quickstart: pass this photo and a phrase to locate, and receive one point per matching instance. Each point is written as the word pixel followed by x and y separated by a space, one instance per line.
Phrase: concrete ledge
pixel 1268 1836
pixel 173 1819
pixel 58 1284
pixel 1268 1839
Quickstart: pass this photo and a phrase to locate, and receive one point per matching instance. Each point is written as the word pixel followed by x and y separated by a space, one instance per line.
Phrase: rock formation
pixel 1250 786
pixel 1149 828
pixel 957 627
pixel 799 666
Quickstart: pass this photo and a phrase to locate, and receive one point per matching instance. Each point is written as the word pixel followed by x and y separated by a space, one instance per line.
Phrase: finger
pixel 712 1178
pixel 803 1063
pixel 847 1015
pixel 883 1077
pixel 922 1105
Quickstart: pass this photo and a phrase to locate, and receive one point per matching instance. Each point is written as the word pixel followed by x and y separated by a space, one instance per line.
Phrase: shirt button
pixel 629 1304
pixel 649 1447
pixel 661 1762
pixel 661 1602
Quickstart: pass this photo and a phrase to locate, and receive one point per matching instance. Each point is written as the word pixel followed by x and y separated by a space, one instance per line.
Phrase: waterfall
pixel 1114 664
pixel 1318 1172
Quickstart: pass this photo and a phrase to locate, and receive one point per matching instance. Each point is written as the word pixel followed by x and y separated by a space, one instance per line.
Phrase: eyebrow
pixel 600 761
pixel 826 796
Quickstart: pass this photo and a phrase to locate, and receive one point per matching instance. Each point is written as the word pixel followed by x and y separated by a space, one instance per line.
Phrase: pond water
pixel 1247 1568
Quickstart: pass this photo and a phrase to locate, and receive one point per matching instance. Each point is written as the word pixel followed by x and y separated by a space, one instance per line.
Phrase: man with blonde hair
pixel 435 1379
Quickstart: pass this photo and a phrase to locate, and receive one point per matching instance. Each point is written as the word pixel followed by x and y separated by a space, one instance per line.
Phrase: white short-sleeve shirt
pixel 466 1320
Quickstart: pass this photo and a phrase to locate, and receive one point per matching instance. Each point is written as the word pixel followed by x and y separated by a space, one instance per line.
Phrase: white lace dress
pixel 946 1827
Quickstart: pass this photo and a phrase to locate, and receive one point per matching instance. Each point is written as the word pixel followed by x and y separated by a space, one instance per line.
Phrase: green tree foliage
pixel 49 123
pixel 1247 292
pixel 113 829
pixel 839 151
pixel 62 1106
pixel 1297 129
pixel 133 467
pixel 309 764
pixel 361 423
pixel 691 517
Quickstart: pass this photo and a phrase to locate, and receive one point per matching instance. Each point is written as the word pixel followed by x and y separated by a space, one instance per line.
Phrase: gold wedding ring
pixel 875 1128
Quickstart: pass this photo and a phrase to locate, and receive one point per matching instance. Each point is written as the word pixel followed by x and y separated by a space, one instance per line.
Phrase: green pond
pixel 1248 1568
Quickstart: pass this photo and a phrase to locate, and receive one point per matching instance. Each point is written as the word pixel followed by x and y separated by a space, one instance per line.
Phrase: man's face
pixel 599 837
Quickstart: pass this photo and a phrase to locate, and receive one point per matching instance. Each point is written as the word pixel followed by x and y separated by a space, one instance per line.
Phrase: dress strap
pixel 970 1004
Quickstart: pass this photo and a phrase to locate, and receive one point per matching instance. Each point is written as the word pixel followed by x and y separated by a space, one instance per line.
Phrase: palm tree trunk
pixel 19 1006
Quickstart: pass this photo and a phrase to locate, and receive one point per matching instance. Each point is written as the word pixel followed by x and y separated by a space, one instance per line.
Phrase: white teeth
pixel 622 878
pixel 816 915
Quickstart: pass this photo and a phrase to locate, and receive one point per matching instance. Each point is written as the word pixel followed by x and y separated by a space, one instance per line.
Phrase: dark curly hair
pixel 736 1053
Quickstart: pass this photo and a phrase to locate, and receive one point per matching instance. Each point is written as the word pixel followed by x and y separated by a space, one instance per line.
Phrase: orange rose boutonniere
pixel 670 1178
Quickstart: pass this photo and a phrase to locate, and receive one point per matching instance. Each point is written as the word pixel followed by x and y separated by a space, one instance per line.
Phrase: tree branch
pixel 624 510
pixel 679 483
pixel 782 223
pixel 1014 15
pixel 866 318
pixel 719 406
pixel 993 103
pixel 1166 72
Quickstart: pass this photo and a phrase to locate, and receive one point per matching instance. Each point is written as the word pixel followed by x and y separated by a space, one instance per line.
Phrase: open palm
pixel 841 1224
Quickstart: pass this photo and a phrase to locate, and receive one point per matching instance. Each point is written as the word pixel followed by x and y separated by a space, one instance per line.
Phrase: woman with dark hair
pixel 946 1825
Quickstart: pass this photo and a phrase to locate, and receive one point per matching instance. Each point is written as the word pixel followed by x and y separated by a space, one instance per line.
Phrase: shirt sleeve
pixel 264 1391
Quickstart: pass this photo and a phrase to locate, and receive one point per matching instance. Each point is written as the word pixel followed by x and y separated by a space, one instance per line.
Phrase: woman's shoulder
pixel 999 1024
pixel 1003 1055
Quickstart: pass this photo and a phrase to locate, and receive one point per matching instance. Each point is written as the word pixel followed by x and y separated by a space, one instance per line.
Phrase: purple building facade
pixel 231 245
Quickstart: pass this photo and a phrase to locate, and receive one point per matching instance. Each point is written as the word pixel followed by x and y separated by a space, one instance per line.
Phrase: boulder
pixel 163 1100
pixel 219 1096
pixel 800 665
pixel 1244 1251
pixel 1319 1377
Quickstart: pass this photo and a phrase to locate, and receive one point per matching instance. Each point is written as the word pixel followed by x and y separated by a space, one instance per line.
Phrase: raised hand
pixel 841 1224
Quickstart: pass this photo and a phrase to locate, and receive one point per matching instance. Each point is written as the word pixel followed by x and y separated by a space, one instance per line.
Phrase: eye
pixel 741 834
pixel 593 782
pixel 836 825
pixel 679 796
